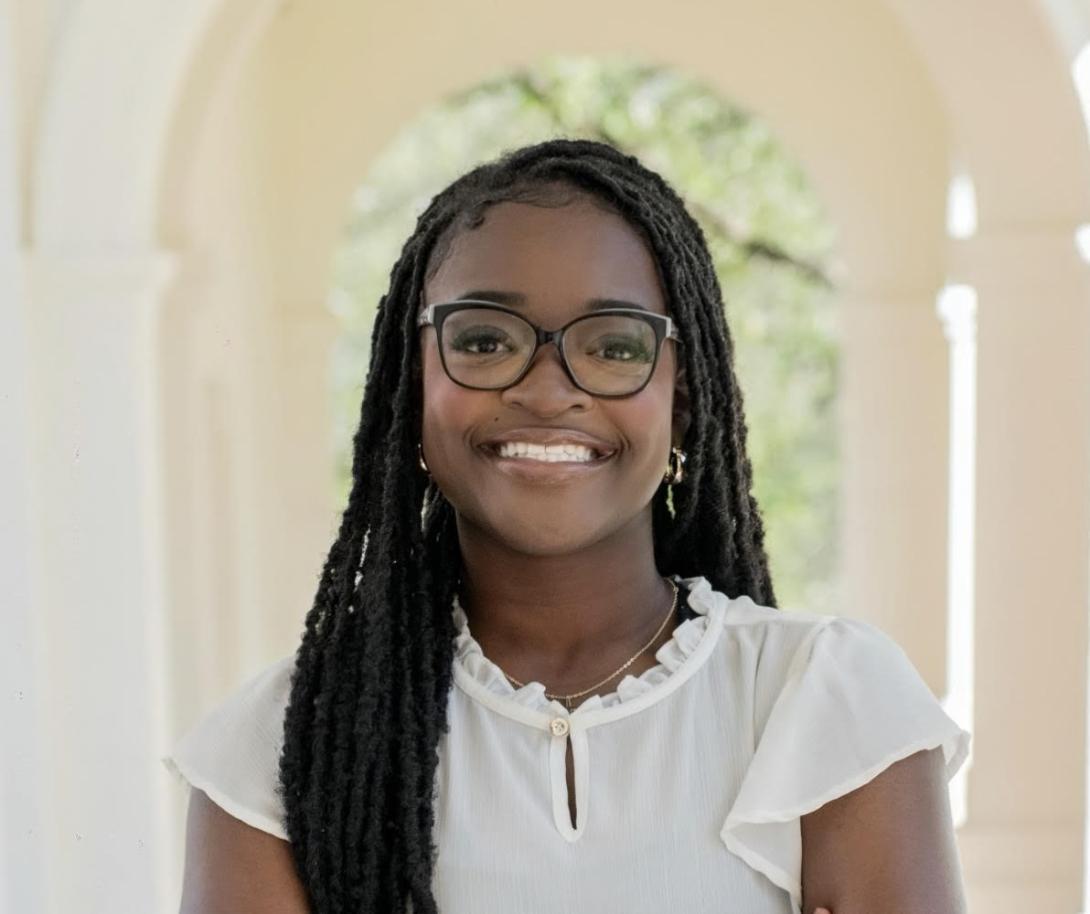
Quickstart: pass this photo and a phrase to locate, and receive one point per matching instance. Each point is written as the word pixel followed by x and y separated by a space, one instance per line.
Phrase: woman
pixel 544 670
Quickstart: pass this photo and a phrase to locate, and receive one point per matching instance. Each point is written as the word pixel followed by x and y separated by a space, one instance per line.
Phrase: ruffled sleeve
pixel 233 752
pixel 851 705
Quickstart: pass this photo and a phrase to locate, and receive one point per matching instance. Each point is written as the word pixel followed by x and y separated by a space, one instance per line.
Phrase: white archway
pixel 245 242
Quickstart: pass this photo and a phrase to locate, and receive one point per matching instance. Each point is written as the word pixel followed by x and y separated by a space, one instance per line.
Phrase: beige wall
pixel 180 175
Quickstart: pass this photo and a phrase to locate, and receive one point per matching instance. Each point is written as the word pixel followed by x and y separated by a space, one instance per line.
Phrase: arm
pixel 886 847
pixel 233 868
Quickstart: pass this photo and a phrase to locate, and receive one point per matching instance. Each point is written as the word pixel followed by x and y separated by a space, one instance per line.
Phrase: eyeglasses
pixel 607 353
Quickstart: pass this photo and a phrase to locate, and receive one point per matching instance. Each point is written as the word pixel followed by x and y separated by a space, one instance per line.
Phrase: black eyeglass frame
pixel 664 327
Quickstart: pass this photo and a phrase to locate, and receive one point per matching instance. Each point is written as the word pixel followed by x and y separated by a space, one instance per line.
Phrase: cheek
pixel 450 413
pixel 648 419
pixel 440 395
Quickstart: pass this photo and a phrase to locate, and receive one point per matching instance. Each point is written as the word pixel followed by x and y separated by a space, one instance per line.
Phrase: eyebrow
pixel 518 299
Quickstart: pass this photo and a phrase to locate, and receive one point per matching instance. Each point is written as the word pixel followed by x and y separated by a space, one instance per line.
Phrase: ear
pixel 682 405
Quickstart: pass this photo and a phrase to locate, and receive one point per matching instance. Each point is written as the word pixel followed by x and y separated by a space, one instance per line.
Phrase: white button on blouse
pixel 690 779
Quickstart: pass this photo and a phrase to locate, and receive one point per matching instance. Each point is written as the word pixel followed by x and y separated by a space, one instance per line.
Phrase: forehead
pixel 558 257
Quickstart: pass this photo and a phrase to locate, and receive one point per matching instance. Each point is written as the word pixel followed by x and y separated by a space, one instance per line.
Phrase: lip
pixel 545 472
pixel 546 436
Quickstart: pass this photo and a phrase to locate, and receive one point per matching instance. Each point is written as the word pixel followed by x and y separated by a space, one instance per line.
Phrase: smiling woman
pixel 544 669
pixel 556 259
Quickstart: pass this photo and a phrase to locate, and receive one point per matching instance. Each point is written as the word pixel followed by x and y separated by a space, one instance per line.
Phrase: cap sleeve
pixel 851 705
pixel 233 752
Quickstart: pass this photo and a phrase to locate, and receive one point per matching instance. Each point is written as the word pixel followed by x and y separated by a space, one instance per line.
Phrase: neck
pixel 566 620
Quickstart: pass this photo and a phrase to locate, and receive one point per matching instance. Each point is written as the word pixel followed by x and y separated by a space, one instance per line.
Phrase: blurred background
pixel 200 203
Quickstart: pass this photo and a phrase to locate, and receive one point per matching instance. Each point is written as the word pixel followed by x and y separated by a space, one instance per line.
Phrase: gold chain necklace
pixel 567 698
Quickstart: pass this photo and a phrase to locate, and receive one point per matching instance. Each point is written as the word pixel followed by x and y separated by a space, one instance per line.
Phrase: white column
pixel 21 860
pixel 302 438
pixel 893 412
pixel 248 481
pixel 98 599
pixel 21 785
pixel 956 308
pixel 1022 846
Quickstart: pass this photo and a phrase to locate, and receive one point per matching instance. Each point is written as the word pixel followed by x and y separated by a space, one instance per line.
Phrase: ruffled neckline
pixel 699 596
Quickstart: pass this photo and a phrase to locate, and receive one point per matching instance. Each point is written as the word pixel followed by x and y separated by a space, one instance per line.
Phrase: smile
pixel 548 453
pixel 545 464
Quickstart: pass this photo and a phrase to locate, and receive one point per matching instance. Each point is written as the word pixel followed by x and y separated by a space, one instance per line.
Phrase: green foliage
pixel 769 237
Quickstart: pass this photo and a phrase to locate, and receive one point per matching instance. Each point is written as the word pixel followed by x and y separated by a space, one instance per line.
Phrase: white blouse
pixel 689 779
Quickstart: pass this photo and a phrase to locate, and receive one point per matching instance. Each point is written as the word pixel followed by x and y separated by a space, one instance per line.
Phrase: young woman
pixel 544 670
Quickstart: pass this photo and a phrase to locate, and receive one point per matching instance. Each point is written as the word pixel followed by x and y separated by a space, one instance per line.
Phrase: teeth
pixel 551 453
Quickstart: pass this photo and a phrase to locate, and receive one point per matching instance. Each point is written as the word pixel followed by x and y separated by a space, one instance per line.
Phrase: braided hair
pixel 372 673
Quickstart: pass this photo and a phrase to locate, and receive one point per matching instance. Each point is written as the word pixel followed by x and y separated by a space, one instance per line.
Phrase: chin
pixel 553 537
pixel 547 542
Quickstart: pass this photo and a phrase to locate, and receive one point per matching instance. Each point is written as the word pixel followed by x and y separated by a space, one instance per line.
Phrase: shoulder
pixel 766 642
pixel 794 636
pixel 824 662
pixel 260 699
pixel 233 752
pixel 251 717
pixel 766 630
pixel 819 678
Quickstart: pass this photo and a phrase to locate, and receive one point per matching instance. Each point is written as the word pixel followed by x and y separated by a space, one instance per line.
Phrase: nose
pixel 546 389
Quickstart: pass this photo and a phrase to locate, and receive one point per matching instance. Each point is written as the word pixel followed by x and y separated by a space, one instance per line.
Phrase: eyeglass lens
pixel 607 353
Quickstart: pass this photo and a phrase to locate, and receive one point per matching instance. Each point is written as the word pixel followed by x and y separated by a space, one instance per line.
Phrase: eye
pixel 621 349
pixel 481 341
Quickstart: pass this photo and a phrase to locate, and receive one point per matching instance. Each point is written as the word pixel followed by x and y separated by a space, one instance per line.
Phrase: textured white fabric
pixel 233 753
pixel 690 779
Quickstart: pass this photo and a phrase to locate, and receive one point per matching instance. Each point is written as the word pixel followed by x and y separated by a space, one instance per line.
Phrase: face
pixel 557 260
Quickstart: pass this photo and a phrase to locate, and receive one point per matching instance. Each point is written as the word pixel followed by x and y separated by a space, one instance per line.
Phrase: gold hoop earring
pixel 420 455
pixel 674 467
